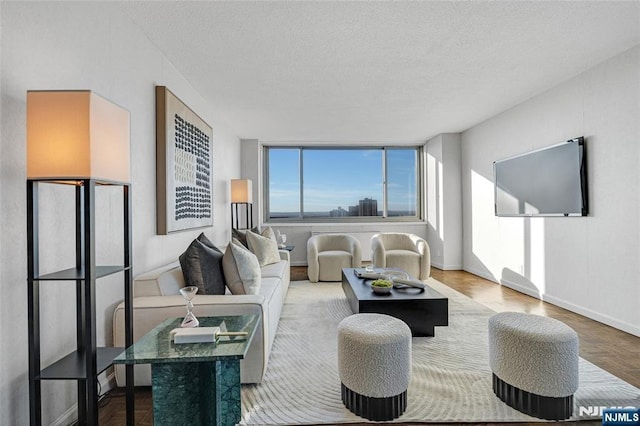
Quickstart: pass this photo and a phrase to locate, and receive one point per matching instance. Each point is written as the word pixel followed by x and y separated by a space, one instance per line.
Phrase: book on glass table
pixel 202 335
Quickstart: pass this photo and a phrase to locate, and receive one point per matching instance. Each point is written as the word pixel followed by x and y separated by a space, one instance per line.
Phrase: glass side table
pixel 194 383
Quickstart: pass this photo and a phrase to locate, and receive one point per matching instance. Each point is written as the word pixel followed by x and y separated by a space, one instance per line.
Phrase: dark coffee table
pixel 421 310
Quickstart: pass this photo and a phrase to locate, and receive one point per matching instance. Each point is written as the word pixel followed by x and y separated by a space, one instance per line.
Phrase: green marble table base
pixel 196 393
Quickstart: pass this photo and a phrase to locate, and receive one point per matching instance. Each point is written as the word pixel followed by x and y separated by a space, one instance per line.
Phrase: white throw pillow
pixel 264 247
pixel 241 270
pixel 268 232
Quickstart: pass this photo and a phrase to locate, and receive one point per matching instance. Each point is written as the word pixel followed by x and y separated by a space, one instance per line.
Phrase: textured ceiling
pixel 378 71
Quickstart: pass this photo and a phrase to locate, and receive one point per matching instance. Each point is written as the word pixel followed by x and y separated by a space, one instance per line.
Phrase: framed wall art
pixel 183 166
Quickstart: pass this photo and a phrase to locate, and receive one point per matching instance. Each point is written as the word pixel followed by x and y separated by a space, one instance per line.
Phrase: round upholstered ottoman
pixel 534 360
pixel 374 362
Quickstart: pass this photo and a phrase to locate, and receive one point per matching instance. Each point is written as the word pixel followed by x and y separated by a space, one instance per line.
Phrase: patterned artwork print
pixel 192 171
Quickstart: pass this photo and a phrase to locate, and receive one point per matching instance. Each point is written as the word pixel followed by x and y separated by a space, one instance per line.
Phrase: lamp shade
pixel 241 191
pixel 76 134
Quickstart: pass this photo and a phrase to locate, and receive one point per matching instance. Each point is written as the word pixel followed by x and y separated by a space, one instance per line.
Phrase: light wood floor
pixel 610 349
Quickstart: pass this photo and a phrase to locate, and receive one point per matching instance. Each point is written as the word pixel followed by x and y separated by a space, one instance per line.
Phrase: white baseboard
pixel 107 383
pixel 443 267
pixel 596 316
pixel 522 289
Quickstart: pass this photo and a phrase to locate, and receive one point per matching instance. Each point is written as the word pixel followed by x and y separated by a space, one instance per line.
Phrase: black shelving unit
pixel 87 361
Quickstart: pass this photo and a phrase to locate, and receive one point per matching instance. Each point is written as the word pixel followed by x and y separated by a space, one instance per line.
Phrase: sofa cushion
pixel 275 270
pixel 264 247
pixel 157 297
pixel 241 270
pixel 202 266
pixel 268 286
pixel 163 281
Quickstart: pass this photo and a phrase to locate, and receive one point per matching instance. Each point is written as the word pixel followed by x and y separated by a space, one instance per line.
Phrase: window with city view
pixel 341 183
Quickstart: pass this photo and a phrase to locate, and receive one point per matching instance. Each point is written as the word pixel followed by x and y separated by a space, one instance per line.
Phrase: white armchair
pixel 406 251
pixel 327 254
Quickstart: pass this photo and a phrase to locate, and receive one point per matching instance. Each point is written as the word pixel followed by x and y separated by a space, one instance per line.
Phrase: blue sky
pixel 339 178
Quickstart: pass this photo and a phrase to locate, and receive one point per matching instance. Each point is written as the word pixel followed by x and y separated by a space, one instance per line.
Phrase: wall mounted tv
pixel 547 182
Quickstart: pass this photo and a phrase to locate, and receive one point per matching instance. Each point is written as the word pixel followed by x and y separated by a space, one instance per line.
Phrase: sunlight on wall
pixel 512 249
pixel 522 253
pixel 536 259
pixel 440 201
pixel 484 224
pixel 434 194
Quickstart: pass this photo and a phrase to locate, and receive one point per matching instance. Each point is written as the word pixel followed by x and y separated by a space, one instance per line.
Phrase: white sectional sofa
pixel 157 297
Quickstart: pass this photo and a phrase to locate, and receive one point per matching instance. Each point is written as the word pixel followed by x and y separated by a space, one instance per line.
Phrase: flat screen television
pixel 547 182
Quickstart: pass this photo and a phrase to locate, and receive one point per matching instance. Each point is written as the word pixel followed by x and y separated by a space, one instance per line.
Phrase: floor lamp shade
pixel 76 134
pixel 241 191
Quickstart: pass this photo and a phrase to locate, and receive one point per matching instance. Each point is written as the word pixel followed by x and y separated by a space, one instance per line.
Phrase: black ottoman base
pixel 542 407
pixel 374 408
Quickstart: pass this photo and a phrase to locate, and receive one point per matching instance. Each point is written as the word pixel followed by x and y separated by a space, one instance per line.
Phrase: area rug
pixel 450 382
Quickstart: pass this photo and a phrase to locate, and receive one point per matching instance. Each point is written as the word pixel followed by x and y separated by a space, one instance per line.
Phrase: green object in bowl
pixel 382 287
pixel 382 283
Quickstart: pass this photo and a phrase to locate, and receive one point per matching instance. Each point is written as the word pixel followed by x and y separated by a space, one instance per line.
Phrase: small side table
pixel 287 248
pixel 194 383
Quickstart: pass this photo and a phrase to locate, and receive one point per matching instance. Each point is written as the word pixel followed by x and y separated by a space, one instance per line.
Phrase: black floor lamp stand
pixel 235 217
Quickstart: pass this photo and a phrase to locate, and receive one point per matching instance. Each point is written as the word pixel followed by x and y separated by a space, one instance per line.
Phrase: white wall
pixel 590 264
pixel 83 46
pixel 3 335
pixel 251 155
pixel 444 201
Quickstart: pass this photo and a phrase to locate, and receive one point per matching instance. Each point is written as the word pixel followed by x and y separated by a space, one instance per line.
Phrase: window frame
pixel 419 216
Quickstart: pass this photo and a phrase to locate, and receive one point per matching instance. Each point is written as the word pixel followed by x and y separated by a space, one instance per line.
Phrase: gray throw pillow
pixel 241 270
pixel 202 266
pixel 241 234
